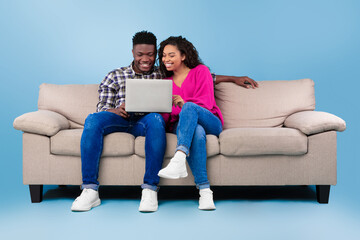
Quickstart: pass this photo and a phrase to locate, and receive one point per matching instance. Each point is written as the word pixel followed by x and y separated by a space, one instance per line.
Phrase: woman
pixel 194 113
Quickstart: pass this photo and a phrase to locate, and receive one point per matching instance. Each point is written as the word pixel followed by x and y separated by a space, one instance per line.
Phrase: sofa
pixel 272 137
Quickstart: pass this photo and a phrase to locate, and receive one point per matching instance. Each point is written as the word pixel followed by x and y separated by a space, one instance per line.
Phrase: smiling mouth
pixel 168 65
pixel 145 65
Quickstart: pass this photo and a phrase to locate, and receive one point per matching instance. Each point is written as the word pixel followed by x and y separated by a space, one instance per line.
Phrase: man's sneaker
pixel 88 199
pixel 206 201
pixel 174 170
pixel 149 201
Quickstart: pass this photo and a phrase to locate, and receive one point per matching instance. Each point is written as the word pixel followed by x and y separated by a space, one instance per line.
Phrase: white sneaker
pixel 206 201
pixel 174 170
pixel 149 201
pixel 88 199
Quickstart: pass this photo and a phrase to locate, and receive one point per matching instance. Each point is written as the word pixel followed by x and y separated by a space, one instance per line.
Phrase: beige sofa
pixel 272 136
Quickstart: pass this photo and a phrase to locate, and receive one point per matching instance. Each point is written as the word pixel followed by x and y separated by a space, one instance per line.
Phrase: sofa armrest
pixel 43 122
pixel 312 122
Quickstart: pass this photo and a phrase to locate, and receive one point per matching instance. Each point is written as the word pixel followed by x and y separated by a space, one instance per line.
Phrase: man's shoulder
pixel 121 71
pixel 118 75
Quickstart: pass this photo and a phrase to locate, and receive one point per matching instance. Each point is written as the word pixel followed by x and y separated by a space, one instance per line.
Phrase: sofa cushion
pixel 41 122
pixel 312 122
pixel 75 102
pixel 212 145
pixel 67 142
pixel 262 141
pixel 266 106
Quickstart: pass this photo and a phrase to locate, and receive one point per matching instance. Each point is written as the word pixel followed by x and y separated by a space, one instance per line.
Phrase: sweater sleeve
pixel 204 88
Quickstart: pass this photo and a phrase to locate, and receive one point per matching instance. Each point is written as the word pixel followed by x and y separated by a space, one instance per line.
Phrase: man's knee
pixel 93 120
pixel 90 119
pixel 156 120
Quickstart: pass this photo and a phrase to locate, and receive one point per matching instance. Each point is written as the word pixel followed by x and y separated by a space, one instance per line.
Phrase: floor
pixel 290 212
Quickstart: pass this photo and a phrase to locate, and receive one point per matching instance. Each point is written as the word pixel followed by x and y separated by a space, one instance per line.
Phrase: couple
pixel 194 114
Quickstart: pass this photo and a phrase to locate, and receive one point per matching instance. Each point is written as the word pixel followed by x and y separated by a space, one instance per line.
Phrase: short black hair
pixel 144 37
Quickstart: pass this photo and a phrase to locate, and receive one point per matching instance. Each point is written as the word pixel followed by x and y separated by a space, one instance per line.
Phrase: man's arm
pixel 245 82
pixel 111 94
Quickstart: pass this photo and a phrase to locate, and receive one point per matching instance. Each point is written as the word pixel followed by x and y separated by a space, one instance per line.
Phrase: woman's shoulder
pixel 201 69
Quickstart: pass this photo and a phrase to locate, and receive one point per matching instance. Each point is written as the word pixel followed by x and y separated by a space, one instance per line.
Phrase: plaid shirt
pixel 112 88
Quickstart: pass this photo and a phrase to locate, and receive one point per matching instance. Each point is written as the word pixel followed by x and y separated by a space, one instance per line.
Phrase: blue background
pixel 78 42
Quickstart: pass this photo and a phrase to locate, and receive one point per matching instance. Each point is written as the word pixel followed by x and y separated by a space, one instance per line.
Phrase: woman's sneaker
pixel 174 170
pixel 88 199
pixel 206 201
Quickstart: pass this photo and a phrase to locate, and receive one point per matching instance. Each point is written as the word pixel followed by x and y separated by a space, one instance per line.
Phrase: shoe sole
pixel 181 175
pixel 208 208
pixel 95 204
pixel 148 210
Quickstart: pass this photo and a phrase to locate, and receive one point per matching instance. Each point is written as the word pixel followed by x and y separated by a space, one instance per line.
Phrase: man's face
pixel 144 57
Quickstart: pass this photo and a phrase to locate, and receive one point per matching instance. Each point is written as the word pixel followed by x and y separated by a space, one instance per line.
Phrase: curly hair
pixel 185 47
pixel 144 37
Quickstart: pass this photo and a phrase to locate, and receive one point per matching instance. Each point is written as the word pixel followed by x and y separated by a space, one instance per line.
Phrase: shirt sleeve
pixel 111 93
pixel 213 75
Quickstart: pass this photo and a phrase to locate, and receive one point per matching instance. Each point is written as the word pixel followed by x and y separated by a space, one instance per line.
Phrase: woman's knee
pixel 199 134
pixel 189 105
pixel 188 108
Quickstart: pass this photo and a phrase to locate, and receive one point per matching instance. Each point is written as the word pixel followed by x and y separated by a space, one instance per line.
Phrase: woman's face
pixel 172 58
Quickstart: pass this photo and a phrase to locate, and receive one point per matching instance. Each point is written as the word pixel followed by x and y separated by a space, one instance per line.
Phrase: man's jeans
pixel 99 124
pixel 194 123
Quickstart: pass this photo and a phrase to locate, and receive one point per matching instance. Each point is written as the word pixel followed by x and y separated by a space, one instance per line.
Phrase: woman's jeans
pixel 194 123
pixel 99 124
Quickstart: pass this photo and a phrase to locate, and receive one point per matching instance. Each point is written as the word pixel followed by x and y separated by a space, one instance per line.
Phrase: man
pixel 112 117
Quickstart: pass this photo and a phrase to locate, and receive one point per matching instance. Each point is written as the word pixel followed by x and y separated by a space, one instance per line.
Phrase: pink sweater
pixel 198 87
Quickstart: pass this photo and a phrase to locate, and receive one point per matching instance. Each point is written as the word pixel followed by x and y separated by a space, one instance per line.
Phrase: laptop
pixel 148 95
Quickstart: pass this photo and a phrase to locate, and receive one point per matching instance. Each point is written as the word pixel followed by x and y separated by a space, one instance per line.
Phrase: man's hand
pixel 119 111
pixel 245 82
pixel 178 101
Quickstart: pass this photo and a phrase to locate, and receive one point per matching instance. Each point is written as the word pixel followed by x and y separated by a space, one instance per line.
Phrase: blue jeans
pixel 194 123
pixel 99 124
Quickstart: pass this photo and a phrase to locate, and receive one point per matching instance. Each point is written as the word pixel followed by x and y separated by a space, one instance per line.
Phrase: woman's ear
pixel 183 57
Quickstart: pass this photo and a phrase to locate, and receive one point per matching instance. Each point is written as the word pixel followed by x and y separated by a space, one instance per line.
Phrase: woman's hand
pixel 178 101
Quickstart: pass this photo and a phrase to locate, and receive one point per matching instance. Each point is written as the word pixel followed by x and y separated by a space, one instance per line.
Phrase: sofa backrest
pixel 74 102
pixel 266 106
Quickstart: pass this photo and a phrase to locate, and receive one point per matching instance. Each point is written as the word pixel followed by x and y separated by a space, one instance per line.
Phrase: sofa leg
pixel 36 193
pixel 322 193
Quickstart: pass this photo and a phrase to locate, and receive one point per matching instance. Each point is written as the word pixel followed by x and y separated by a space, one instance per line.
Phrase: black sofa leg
pixel 322 193
pixel 36 193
